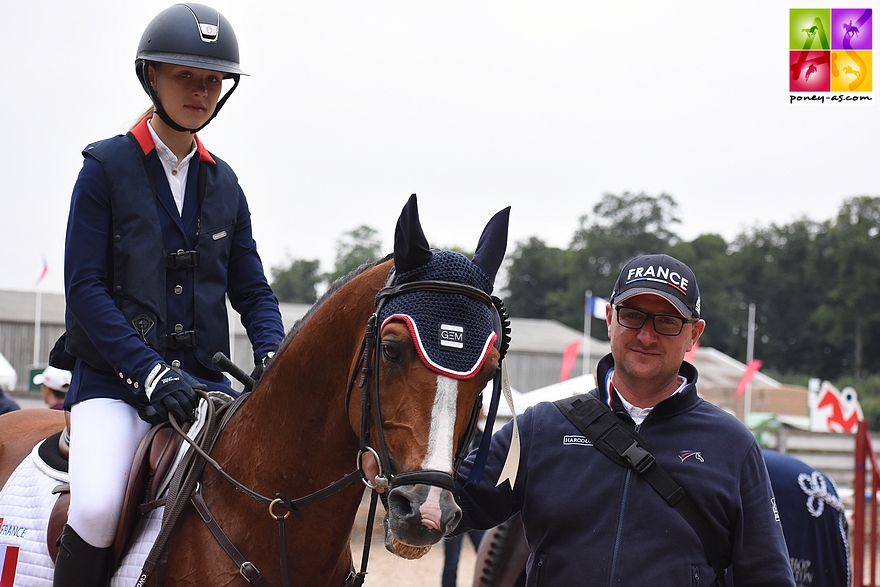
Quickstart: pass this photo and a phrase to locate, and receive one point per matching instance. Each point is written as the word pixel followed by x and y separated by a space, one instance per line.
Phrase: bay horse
pixel 383 374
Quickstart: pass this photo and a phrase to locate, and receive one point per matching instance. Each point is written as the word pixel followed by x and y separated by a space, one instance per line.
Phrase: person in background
pixel 7 404
pixel 53 384
pixel 813 521
pixel 452 555
pixel 159 236
pixel 452 544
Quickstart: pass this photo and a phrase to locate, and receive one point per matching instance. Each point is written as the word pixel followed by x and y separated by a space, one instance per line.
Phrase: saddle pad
pixel 25 504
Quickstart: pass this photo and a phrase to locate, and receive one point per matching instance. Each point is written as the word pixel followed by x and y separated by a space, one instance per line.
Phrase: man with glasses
pixel 590 521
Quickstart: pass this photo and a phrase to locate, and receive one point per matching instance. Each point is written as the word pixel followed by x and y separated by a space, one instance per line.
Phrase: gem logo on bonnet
pixel 451 336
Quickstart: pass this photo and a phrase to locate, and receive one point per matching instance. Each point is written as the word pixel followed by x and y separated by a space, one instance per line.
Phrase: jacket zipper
pixel 541 560
pixel 617 537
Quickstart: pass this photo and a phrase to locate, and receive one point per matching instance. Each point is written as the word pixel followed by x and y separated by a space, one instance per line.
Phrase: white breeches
pixel 104 436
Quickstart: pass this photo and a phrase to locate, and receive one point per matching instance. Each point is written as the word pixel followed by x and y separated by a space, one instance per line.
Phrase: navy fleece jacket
pixel 591 522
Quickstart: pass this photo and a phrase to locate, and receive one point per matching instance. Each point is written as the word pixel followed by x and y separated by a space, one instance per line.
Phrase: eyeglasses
pixel 663 323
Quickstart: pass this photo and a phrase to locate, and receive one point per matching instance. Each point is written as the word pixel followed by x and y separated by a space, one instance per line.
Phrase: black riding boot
pixel 80 564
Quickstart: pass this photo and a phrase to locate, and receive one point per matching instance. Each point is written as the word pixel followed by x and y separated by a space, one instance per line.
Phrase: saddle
pixel 152 466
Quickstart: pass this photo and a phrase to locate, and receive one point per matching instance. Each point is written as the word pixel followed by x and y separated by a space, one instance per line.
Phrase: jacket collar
pixel 142 135
pixel 670 406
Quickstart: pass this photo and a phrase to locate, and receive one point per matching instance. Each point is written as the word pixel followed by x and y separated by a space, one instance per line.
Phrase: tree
pixel 545 282
pixel 851 313
pixel 780 269
pixel 628 225
pixel 297 282
pixel 535 273
pixel 353 249
pixel 708 257
pixel 622 227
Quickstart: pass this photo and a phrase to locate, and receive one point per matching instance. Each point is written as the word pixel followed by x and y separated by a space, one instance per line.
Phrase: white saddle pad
pixel 25 504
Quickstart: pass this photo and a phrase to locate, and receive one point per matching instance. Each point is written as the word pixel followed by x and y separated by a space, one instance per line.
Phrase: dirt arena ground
pixel 386 570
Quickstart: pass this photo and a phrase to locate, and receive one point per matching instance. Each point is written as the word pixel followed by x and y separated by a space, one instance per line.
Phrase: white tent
pixel 567 388
pixel 8 376
pixel 503 410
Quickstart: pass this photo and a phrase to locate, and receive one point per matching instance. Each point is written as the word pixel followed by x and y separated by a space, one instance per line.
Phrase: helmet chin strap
pixel 160 110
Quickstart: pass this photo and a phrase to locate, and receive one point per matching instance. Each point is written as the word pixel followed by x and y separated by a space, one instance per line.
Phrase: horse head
pixel 438 340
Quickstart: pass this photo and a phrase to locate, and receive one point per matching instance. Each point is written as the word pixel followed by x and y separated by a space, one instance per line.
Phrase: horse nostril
pixel 401 502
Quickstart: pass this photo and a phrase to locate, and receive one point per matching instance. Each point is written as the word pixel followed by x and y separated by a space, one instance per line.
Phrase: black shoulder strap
pixel 627 448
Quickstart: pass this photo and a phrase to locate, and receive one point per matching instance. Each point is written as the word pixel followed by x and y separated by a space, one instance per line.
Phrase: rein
pixel 190 469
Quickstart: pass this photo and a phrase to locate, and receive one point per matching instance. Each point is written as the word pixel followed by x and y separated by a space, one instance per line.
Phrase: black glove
pixel 169 391
pixel 257 373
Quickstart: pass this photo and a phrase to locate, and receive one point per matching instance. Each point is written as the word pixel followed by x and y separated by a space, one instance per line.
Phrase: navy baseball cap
pixel 663 276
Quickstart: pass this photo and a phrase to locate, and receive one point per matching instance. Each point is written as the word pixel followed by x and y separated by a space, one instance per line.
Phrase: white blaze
pixel 440 449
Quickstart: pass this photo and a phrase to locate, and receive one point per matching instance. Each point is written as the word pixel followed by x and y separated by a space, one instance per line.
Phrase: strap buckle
pixel 249 571
pixel 176 341
pixel 640 459
pixel 182 259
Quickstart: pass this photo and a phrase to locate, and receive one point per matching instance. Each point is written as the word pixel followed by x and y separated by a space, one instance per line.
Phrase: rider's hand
pixel 260 367
pixel 170 391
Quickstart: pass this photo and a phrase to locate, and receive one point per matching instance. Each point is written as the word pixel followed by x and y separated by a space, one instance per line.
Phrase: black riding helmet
pixel 192 35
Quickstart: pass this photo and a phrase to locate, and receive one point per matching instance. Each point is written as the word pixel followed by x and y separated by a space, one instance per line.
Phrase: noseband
pixel 369 384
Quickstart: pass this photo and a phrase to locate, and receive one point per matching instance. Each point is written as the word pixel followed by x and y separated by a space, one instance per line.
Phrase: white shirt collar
pixel 639 414
pixel 175 173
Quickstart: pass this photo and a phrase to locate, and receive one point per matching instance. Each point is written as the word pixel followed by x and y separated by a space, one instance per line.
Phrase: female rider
pixel 159 235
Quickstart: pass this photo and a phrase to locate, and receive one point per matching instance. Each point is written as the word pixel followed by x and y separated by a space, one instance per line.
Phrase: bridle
pixel 369 373
pixel 368 360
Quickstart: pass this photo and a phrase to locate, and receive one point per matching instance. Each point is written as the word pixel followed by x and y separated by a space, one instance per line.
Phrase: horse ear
pixel 493 244
pixel 411 248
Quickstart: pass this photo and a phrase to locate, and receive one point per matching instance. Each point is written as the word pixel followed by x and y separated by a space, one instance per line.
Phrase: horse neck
pixel 299 406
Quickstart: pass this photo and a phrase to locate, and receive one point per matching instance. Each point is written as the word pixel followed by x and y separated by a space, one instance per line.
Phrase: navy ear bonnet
pixel 455 347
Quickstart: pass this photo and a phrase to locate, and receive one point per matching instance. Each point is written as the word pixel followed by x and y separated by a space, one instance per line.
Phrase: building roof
pixel 548 336
pixel 21 306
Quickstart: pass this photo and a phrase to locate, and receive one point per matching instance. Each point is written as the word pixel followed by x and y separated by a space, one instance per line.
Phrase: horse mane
pixel 334 287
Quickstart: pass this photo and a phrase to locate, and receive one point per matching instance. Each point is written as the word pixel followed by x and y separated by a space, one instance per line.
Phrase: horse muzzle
pixel 421 511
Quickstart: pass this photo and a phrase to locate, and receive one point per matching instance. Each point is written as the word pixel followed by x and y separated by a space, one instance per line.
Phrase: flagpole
pixel 588 324
pixel 750 354
pixel 37 318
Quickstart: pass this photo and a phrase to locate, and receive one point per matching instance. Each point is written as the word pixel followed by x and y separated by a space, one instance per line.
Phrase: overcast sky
pixel 352 106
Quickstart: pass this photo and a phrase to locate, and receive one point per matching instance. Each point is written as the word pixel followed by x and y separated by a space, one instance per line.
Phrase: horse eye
pixel 390 351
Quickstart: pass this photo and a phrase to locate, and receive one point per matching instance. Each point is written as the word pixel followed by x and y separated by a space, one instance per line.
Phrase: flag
pixel 835 411
pixel 750 371
pixel 8 565
pixel 569 357
pixel 596 307
pixel 44 268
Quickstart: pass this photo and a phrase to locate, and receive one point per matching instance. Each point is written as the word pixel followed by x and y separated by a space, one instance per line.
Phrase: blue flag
pixel 596 307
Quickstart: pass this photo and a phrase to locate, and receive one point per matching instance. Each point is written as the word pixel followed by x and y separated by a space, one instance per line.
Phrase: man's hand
pixel 169 391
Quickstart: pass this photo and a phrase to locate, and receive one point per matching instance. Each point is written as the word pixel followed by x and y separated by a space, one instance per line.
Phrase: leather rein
pixel 185 481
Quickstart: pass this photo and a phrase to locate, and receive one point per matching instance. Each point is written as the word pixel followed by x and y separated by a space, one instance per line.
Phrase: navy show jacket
pixel 123 302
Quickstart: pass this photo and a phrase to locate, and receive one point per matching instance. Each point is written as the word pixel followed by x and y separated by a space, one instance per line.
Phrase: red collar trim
pixel 142 135
pixel 204 155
